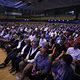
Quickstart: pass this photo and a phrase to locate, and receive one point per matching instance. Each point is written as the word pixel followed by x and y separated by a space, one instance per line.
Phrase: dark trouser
pixel 10 56
pixel 8 50
pixel 38 77
pixel 2 43
pixel 49 76
pixel 15 63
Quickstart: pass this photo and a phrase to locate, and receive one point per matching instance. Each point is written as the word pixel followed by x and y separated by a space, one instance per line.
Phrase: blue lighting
pixel 67 20
pixel 18 3
pixel 19 6
pixel 62 20
pixel 48 20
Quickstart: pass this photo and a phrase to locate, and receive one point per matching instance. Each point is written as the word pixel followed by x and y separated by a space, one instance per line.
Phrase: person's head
pixel 67 59
pixel 32 33
pixel 34 44
pixel 42 36
pixel 78 38
pixel 36 40
pixel 43 51
pixel 50 40
pixel 61 42
pixel 70 37
pixel 76 45
pixel 27 41
pixel 57 46
pixel 21 37
pixel 15 36
pixel 77 41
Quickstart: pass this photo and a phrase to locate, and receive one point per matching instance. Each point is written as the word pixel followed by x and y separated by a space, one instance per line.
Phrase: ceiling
pixel 39 4
pixel 52 4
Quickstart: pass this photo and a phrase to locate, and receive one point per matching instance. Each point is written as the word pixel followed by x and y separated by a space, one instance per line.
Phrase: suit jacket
pixel 15 44
pixel 11 41
pixel 26 51
pixel 22 45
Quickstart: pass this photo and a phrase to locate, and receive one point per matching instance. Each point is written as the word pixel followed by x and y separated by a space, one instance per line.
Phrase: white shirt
pixel 42 42
pixel 32 37
pixel 51 34
pixel 7 35
pixel 36 29
pixel 8 28
pixel 33 50
pixel 45 29
pixel 75 53
pixel 19 44
pixel 55 33
pixel 30 30
pixel 25 29
pixel 23 49
pixel 41 28
pixel 2 33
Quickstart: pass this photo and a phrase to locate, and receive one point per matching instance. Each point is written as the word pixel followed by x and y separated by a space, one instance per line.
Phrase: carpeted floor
pixel 4 73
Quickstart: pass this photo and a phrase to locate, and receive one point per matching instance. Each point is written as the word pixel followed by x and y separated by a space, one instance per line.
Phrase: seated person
pixel 16 60
pixel 62 69
pixel 74 51
pixel 12 43
pixel 40 67
pixel 42 41
pixel 32 54
pixel 14 52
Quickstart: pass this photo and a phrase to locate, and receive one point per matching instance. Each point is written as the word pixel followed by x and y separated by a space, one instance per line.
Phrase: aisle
pixel 4 73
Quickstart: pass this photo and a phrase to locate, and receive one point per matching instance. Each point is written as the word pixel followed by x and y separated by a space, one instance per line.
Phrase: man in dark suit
pixel 16 60
pixel 14 52
pixel 12 44
pixel 31 56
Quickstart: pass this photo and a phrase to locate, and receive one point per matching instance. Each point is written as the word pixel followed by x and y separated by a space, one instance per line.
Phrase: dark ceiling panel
pixel 39 4
pixel 52 4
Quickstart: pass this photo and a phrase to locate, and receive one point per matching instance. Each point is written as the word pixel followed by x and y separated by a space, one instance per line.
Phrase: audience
pixel 14 52
pixel 33 48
